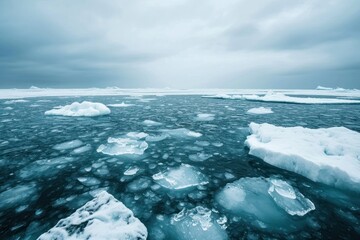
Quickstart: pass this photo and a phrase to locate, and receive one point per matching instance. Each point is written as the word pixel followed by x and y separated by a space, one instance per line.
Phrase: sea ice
pixel 205 117
pixel 181 133
pixel 156 138
pixel 199 157
pixel 104 217
pixel 120 105
pixel 137 135
pixel 131 171
pixel 267 203
pixel 260 110
pixel 68 145
pixel 82 149
pixel 327 155
pixel 280 97
pixel 151 123
pixel 19 195
pixel 84 109
pixel 16 101
pixel 121 146
pixel 183 177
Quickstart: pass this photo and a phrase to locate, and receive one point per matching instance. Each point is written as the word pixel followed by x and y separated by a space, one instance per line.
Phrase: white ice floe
pixel 84 109
pixel 280 97
pixel 16 101
pixel 156 138
pixel 183 177
pixel 120 105
pixel 327 155
pixel 137 135
pixel 266 203
pixel 260 110
pixel 122 146
pixel 151 123
pixel 205 117
pixel 131 171
pixel 82 149
pixel 181 133
pixel 68 145
pixel 20 195
pixel 104 217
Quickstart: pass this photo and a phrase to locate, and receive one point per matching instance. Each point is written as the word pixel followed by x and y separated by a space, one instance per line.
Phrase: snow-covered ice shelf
pixel 104 217
pixel 327 155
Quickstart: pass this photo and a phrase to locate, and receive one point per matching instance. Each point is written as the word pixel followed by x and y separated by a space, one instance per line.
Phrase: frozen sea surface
pixel 51 166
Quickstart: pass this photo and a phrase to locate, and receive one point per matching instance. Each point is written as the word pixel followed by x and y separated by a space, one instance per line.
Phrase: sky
pixel 180 43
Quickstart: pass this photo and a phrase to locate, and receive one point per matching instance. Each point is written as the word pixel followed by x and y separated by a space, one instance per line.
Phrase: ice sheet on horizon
pixel 104 217
pixel 84 109
pixel 326 155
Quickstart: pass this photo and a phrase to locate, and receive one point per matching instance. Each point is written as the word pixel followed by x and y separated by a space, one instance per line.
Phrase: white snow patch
pixel 280 97
pixel 84 109
pixel 104 217
pixel 260 110
pixel 327 155
pixel 121 146
pixel 183 177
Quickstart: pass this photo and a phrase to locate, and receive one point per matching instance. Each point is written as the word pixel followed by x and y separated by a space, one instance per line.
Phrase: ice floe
pixel 82 149
pixel 122 146
pixel 266 203
pixel 326 155
pixel 19 195
pixel 151 123
pixel 120 105
pixel 104 217
pixel 260 110
pixel 84 109
pixel 68 145
pixel 280 97
pixel 205 117
pixel 185 176
pixel 199 157
pixel 181 133
pixel 137 135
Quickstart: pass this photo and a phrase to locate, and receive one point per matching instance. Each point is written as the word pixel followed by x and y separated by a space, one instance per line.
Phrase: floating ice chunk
pixel 137 135
pixel 19 195
pixel 151 123
pixel 121 146
pixel 181 133
pixel 257 201
pixel 120 105
pixel 199 157
pixel 82 149
pixel 327 155
pixel 104 217
pixel 16 101
pixel 280 97
pixel 285 196
pixel 260 110
pixel 84 109
pixel 8 108
pixel 68 145
pixel 183 177
pixel 323 88
pixel 131 171
pixel 202 143
pixel 156 138
pixel 205 117
pixel 89 181
pixel 139 184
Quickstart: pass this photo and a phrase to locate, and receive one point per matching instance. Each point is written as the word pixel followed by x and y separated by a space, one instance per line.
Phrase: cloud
pixel 179 43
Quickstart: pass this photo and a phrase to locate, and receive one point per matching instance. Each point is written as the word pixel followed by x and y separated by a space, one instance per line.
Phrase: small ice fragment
pixel 121 146
pixel 150 123
pixel 260 110
pixel 68 145
pixel 131 171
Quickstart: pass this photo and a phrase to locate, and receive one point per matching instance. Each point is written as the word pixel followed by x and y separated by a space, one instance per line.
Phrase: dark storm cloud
pixel 179 43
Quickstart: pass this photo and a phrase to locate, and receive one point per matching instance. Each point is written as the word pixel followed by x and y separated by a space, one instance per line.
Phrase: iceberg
pixel 84 109
pixel 104 217
pixel 181 133
pixel 327 155
pixel 260 110
pixel 265 202
pixel 282 98
pixel 185 176
pixel 205 117
pixel 122 146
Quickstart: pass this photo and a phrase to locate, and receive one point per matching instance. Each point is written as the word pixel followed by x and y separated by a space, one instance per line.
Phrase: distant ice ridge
pixel 326 155
pixel 198 223
pixel 123 104
pixel 280 97
pixel 266 202
pixel 104 217
pixel 122 146
pixel 183 177
pixel 205 117
pixel 84 109
pixel 260 110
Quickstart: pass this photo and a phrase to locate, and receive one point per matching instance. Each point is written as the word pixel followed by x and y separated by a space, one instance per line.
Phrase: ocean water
pixel 49 184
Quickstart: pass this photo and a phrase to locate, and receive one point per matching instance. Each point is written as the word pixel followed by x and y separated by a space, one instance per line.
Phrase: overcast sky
pixel 180 43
